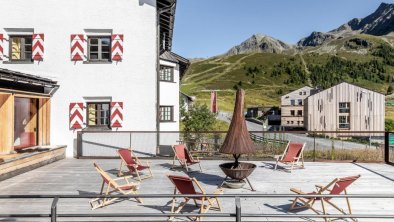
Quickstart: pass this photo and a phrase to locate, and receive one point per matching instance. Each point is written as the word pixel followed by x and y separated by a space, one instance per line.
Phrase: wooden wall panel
pixel 6 122
pixel 44 121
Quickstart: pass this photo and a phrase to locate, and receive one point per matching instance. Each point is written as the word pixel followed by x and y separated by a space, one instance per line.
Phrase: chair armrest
pixel 123 178
pixel 277 157
pixel 219 191
pixel 297 191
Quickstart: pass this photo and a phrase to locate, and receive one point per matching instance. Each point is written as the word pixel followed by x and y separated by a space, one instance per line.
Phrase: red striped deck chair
pixel 336 187
pixel 133 164
pixel 186 185
pixel 184 157
pixel 293 155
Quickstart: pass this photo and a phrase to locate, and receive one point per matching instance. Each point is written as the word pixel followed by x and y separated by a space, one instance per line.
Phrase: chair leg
pixel 201 209
pixel 173 205
pixel 324 210
pixel 276 165
pixel 120 168
pixel 138 175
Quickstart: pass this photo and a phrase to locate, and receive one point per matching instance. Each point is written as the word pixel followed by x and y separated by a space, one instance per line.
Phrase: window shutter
pixel 38 47
pixel 77 47
pixel 116 114
pixel 1 46
pixel 117 47
pixel 76 115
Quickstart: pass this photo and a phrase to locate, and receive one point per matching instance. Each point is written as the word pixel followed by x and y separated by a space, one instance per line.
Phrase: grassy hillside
pixel 364 60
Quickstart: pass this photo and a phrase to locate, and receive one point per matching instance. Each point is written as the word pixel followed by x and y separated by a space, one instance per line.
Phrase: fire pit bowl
pixel 241 172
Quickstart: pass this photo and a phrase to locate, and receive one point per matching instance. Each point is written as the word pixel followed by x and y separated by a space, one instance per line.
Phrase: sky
pixel 205 28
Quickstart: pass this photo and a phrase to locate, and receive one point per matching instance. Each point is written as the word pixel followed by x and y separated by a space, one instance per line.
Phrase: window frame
pixel 345 125
pixel 100 125
pixel 23 48
pixel 99 48
pixel 171 74
pixel 298 112
pixel 292 113
pixel 344 110
pixel 161 116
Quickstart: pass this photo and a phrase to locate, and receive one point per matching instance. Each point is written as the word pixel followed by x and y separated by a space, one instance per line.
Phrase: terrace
pixel 78 177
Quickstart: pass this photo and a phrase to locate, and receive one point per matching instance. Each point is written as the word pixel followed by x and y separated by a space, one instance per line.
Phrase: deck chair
pixel 336 187
pixel 112 187
pixel 184 157
pixel 186 185
pixel 292 155
pixel 133 164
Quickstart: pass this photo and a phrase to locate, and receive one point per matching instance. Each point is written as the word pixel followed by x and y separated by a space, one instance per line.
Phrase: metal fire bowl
pixel 241 172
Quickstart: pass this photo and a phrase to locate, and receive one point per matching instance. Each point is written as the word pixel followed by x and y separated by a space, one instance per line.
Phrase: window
pixel 300 102
pixel 99 48
pixel 344 107
pixel 166 113
pixel 292 102
pixel 298 122
pixel 344 122
pixel 166 73
pixel 304 92
pixel 21 48
pixel 98 114
pixel 300 93
pixel 292 122
pixel 288 122
pixel 292 113
pixel 299 112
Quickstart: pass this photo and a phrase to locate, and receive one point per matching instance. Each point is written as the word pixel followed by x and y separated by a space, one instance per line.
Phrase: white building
pixel 99 61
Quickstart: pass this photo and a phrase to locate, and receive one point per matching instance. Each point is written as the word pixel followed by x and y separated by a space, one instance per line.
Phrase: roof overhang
pixel 175 58
pixel 14 80
pixel 166 18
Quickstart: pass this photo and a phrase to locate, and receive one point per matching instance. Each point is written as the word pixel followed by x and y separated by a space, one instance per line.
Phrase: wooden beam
pixel 6 122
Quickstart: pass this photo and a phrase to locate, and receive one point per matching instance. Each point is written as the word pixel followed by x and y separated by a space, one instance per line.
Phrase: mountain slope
pixel 364 60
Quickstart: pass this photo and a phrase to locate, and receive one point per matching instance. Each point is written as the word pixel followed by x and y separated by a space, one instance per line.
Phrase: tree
pixel 390 90
pixel 196 120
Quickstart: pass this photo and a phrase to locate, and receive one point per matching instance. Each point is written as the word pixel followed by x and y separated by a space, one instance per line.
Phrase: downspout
pixel 158 49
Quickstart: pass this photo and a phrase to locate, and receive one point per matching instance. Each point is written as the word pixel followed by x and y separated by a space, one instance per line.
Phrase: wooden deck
pixel 73 176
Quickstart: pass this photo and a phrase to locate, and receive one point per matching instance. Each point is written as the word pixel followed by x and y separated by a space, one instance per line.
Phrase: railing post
pixel 79 144
pixel 237 209
pixel 387 147
pixel 54 209
pixel 314 147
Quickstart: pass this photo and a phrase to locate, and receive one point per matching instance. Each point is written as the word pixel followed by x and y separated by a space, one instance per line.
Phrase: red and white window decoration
pixel 116 114
pixel 1 46
pixel 78 47
pixel 76 115
pixel 117 47
pixel 38 47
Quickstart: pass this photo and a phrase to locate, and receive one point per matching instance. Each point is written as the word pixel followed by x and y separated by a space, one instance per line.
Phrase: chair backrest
pixel 294 149
pixel 127 156
pixel 183 184
pixel 181 152
pixel 107 179
pixel 342 183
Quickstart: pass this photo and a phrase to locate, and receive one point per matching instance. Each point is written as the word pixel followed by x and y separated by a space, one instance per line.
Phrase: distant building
pixel 292 107
pixel 345 107
pixel 271 114
pixel 186 100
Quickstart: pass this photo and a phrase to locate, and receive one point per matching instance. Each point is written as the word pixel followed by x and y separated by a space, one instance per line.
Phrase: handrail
pixel 238 215
pixel 253 131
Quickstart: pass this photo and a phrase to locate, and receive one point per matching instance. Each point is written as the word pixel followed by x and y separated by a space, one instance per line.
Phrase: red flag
pixel 214 108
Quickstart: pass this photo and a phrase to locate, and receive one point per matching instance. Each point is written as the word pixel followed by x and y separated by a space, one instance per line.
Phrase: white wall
pixel 132 81
pixel 169 96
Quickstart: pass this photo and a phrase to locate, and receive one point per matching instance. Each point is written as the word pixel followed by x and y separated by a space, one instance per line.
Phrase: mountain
pixel 259 43
pixel 380 22
pixel 316 38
